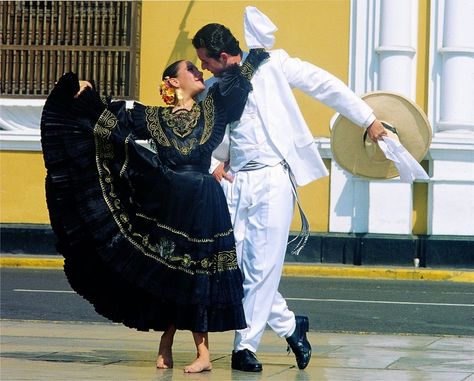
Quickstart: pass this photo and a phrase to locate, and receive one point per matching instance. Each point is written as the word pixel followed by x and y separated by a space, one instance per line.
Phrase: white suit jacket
pixel 281 117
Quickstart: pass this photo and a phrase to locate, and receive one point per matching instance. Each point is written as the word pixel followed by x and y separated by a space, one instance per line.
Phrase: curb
pixel 366 272
pixel 300 270
pixel 43 262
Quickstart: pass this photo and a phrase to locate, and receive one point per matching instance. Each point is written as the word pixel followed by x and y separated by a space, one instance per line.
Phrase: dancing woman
pixel 146 234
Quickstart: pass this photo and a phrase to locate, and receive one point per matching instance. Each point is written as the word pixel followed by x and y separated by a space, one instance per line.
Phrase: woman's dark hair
pixel 172 70
pixel 216 38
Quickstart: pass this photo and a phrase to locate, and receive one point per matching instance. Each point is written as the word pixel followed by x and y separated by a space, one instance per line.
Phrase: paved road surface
pixel 334 305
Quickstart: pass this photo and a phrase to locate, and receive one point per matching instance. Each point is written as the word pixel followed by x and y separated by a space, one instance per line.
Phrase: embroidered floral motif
pixel 182 122
pixel 184 148
pixel 205 263
pixel 165 248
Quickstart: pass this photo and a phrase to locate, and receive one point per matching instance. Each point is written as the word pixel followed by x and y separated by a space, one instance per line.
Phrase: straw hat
pixel 404 120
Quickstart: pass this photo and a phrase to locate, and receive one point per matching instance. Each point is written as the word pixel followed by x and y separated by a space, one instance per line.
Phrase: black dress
pixel 146 235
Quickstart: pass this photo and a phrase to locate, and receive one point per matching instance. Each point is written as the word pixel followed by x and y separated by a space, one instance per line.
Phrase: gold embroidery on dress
pixel 164 250
pixel 127 156
pixel 247 70
pixel 185 147
pixel 153 125
pixel 208 119
pixel 226 258
pixel 165 247
pixel 103 129
pixel 182 122
pixel 183 234
pixel 222 261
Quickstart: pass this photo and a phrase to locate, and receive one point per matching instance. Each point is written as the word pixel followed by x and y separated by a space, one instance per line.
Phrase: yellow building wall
pixel 22 194
pixel 316 31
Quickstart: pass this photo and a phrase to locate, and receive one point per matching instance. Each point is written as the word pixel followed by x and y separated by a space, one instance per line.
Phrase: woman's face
pixel 190 78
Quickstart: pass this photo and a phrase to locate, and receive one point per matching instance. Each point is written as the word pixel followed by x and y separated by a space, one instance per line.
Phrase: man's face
pixel 211 64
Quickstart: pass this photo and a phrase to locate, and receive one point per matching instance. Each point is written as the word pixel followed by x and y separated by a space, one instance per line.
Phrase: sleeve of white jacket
pixel 214 164
pixel 221 153
pixel 326 88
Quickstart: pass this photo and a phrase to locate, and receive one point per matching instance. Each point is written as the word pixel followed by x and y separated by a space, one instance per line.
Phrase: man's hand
pixel 220 173
pixel 376 131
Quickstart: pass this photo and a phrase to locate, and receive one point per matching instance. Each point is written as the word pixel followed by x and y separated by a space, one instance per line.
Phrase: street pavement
pixel 59 351
pixel 51 350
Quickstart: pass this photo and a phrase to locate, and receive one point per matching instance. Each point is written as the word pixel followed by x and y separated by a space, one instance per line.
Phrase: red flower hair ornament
pixel 167 92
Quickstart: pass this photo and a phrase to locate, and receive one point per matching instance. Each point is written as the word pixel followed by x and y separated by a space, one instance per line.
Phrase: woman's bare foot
pixel 164 359
pixel 165 354
pixel 199 365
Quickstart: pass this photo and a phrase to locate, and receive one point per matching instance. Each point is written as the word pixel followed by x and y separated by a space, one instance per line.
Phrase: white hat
pixel 356 153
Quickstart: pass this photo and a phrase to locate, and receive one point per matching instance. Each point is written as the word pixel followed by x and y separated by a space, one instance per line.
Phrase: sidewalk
pixel 58 351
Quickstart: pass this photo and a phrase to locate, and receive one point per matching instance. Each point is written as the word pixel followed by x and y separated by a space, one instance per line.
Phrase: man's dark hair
pixel 216 39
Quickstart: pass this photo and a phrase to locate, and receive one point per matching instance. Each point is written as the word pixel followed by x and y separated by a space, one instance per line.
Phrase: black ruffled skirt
pixel 146 245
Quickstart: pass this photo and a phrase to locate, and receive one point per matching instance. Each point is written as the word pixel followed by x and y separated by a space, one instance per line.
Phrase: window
pixel 40 40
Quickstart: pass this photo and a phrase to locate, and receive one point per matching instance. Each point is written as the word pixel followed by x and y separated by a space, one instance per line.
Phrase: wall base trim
pixel 328 248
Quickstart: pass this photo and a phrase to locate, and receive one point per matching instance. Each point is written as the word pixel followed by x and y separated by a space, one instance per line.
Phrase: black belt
pixel 252 166
pixel 189 168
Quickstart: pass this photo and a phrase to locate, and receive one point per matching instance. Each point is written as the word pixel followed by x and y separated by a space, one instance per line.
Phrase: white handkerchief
pixel 408 168
pixel 258 29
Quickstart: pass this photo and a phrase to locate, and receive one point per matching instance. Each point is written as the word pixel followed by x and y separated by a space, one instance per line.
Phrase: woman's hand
pixel 87 102
pixel 82 86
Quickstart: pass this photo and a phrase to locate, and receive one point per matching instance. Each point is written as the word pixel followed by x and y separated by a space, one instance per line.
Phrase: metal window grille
pixel 41 40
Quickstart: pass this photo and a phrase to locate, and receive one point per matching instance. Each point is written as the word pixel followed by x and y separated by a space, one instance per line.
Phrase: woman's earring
pixel 179 97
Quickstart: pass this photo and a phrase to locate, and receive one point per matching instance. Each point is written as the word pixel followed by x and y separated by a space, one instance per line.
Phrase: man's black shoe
pixel 299 343
pixel 246 361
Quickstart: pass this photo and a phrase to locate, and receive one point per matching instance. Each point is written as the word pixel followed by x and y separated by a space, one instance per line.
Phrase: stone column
pixel 383 57
pixel 451 112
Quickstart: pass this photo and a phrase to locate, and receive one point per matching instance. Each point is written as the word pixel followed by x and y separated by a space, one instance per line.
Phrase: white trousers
pixel 261 206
